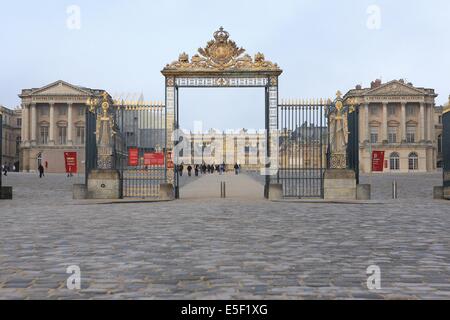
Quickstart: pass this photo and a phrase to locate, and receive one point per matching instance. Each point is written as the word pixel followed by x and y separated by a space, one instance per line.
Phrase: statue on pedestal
pixel 105 132
pixel 338 135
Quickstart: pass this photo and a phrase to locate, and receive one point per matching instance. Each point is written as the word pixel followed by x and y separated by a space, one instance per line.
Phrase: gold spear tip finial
pixel 339 94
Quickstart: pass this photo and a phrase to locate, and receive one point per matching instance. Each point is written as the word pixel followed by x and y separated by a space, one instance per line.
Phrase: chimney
pixel 358 87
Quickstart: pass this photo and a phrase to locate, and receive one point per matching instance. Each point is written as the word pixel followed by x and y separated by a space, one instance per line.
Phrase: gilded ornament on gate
pixel 222 54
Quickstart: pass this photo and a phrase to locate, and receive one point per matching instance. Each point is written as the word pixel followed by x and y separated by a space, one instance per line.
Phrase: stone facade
pixel 243 147
pixel 53 122
pixel 11 136
pixel 401 120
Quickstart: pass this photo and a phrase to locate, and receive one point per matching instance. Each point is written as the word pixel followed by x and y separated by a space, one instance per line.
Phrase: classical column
pixel 25 131
pixel 429 122
pixel 422 122
pixel 433 127
pixel 69 123
pixel 33 123
pixel 367 122
pixel 51 128
pixel 384 123
pixel 403 122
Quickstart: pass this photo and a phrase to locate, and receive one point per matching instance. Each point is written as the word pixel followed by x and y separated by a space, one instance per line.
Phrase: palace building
pixel 11 137
pixel 53 122
pixel 401 120
pixel 242 147
pixel 395 117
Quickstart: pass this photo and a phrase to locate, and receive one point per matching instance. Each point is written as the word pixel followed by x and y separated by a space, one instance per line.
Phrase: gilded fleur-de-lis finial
pixel 105 96
pixel 92 103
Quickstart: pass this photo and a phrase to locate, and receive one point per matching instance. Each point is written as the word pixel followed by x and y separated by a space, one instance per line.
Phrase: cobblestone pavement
pixel 222 249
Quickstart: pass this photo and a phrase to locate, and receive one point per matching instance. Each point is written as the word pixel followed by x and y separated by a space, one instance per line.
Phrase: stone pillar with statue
pixel 104 181
pixel 340 183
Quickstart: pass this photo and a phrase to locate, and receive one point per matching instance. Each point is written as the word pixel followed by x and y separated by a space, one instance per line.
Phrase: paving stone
pixel 239 248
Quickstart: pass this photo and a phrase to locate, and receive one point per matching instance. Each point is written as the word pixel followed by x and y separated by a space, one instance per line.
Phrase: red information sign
pixel 377 161
pixel 154 159
pixel 70 158
pixel 133 157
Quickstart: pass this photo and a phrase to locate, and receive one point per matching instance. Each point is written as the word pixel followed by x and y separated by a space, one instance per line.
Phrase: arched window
pixel 413 160
pixel 440 143
pixel 394 161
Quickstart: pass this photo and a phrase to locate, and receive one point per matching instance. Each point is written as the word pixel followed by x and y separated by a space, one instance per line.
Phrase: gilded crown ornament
pixel 221 54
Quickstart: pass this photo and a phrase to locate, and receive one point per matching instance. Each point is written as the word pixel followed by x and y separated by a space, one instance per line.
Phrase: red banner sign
pixel 133 157
pixel 154 159
pixel 70 158
pixel 377 161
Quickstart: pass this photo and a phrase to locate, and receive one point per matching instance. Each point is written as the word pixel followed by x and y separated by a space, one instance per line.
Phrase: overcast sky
pixel 322 46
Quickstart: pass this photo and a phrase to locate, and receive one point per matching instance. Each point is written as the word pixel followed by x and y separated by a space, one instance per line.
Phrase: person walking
pixel 41 170
pixel 5 170
pixel 236 169
pixel 189 168
pixel 197 167
pixel 180 169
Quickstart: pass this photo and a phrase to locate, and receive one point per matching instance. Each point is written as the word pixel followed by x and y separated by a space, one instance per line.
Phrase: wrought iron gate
pixel 142 165
pixel 446 144
pixel 1 148
pixel 353 140
pixel 303 147
pixel 90 143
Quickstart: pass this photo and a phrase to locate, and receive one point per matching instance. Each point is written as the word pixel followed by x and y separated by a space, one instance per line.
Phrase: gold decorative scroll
pixel 221 54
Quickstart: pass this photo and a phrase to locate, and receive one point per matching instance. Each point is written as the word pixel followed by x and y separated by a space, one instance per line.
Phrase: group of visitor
pixel 206 169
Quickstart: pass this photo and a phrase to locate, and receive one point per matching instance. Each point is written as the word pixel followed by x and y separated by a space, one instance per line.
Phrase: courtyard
pixel 243 247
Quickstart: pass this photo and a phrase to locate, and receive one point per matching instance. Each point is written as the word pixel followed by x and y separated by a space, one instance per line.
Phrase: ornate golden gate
pixel 222 64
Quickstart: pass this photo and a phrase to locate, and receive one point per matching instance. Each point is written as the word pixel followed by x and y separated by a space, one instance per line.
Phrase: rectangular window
pixel 62 135
pixel 413 163
pixel 81 111
pixel 373 135
pixel 440 119
pixel 80 135
pixel 392 135
pixel 44 135
pixel 410 110
pixel 411 134
pixel 374 110
pixel 395 163
pixel 19 122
